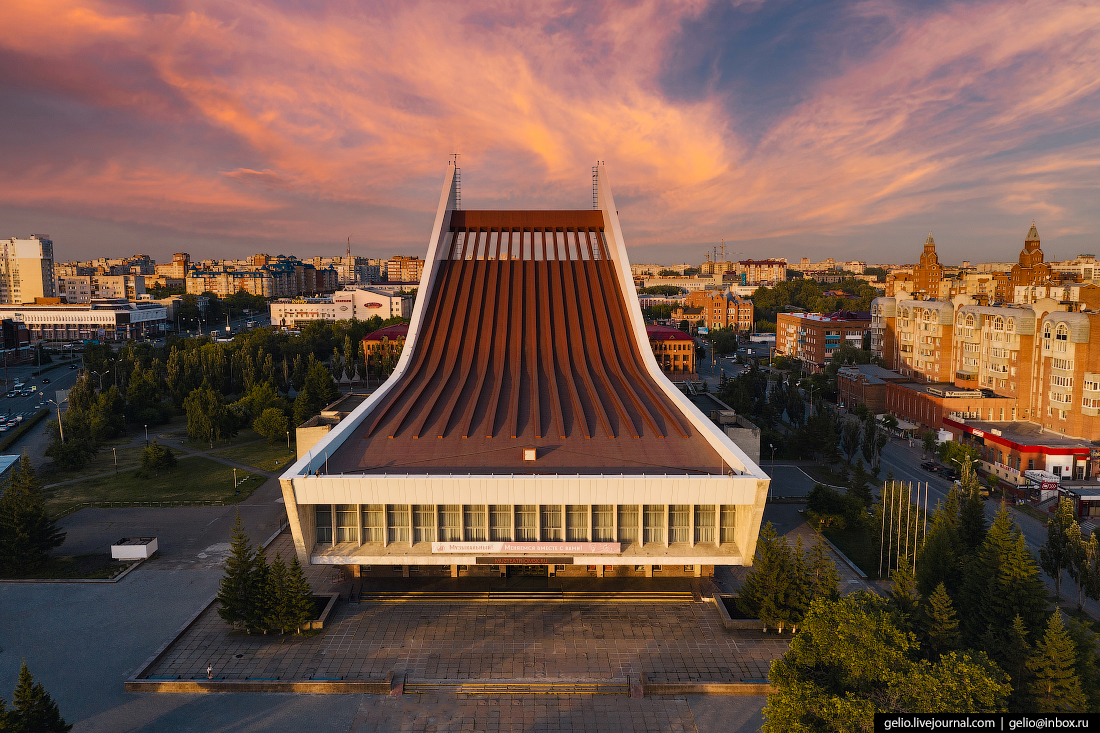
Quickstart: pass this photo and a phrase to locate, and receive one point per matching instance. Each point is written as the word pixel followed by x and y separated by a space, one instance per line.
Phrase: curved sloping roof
pixel 526 342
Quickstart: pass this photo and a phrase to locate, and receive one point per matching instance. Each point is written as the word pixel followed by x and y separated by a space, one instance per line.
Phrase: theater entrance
pixel 528 571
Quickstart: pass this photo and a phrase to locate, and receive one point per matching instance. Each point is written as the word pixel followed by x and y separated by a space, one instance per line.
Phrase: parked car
pixel 930 466
pixel 72 366
pixel 45 381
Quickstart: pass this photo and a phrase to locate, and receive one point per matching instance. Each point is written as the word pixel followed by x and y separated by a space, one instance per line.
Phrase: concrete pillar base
pixel 404 571
pixel 649 571
pixel 454 571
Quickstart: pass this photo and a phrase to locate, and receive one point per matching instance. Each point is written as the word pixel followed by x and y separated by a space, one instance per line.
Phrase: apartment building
pixel 813 338
pixel 26 269
pixel 673 349
pixel 86 288
pixel 404 268
pixel 177 268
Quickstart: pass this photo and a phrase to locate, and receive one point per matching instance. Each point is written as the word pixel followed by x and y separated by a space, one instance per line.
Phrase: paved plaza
pixel 667 642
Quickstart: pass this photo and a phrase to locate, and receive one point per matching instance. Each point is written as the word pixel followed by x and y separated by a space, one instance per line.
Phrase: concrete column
pixel 717 524
pixel 487 537
pixel 412 537
pixel 454 571
pixel 355 572
pixel 667 528
pixel 404 571
pixel 691 527
pixel 385 526
pixel 332 510
pixel 359 522
pixel 599 570
pixel 649 571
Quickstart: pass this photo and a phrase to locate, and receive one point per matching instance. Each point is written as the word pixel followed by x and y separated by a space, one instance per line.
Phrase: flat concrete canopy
pixel 526 343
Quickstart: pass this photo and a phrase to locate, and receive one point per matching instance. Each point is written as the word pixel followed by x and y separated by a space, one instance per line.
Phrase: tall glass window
pixel 653 516
pixel 473 517
pixel 374 523
pixel 551 522
pixel 347 524
pixel 423 522
pixel 704 523
pixel 322 515
pixel 500 522
pixel 628 523
pixel 679 523
pixel 576 523
pixel 729 523
pixel 527 523
pixel 397 522
pixel 603 523
pixel 450 523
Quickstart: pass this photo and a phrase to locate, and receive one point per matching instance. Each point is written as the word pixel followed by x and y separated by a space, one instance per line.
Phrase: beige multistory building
pixel 26 269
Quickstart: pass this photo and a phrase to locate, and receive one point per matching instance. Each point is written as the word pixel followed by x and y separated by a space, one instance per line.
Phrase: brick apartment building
pixel 813 338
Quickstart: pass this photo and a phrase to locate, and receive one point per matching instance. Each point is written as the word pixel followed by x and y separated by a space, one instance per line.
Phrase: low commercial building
pixel 390 338
pixel 864 384
pixel 673 349
pixel 495 448
pixel 353 303
pixel 108 320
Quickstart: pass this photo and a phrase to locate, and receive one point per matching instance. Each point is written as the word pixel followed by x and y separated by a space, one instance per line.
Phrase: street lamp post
pixel 770 490
pixel 146 436
pixel 288 440
pixel 60 426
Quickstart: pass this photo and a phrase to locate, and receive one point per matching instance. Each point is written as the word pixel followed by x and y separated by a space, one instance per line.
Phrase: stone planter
pixel 747 624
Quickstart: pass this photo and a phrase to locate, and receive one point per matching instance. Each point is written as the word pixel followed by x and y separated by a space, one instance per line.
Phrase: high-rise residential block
pixel 26 269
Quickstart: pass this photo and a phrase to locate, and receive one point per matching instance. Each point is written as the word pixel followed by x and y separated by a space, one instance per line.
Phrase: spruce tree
pixel 940 623
pixel 33 709
pixel 276 596
pixel 27 534
pixel 1056 554
pixel 767 589
pixel 824 578
pixel 300 608
pixel 858 485
pixel 973 525
pixel 1055 687
pixel 235 596
pixel 1077 561
pixel 938 556
pixel 903 597
pixel 257 609
pixel 1012 654
pixel 1002 580
pixel 1088 662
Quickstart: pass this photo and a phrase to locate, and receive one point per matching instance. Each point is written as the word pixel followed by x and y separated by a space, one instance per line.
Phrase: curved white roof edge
pixel 318 455
pixel 718 440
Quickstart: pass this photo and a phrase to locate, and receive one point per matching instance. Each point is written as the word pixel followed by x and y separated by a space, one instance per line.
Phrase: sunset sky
pixel 845 129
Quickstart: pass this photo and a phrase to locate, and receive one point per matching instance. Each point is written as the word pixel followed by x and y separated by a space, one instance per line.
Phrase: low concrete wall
pixel 707 688
pixel 732 624
pixel 319 623
pixel 332 687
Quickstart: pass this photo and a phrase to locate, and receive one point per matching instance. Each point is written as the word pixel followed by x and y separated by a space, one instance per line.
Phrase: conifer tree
pixel 903 597
pixel 276 596
pixel 1088 662
pixel 235 597
pixel 768 588
pixel 27 534
pixel 1056 554
pixel 299 609
pixel 1077 561
pixel 938 558
pixel 940 623
pixel 824 578
pixel 257 609
pixel 1012 654
pixel 858 485
pixel 1055 687
pixel 32 708
pixel 1001 581
pixel 972 525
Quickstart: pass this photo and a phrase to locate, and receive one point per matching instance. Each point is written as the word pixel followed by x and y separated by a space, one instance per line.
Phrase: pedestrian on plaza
pixel 210 671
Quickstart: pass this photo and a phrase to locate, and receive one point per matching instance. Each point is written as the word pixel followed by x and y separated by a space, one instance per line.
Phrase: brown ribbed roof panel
pixel 526 343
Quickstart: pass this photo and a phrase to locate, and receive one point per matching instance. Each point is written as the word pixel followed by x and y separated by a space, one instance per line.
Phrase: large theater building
pixel 527 427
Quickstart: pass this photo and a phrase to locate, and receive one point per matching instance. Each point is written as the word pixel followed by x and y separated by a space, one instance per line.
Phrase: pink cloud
pixel 362 109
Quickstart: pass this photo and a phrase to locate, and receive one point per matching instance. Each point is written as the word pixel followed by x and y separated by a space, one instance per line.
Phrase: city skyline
pixel 836 129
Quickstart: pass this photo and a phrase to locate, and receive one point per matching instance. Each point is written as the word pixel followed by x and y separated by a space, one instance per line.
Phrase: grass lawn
pixel 102 462
pixel 245 436
pixel 857 545
pixel 194 479
pixel 263 455
pixel 94 566
pixel 824 474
